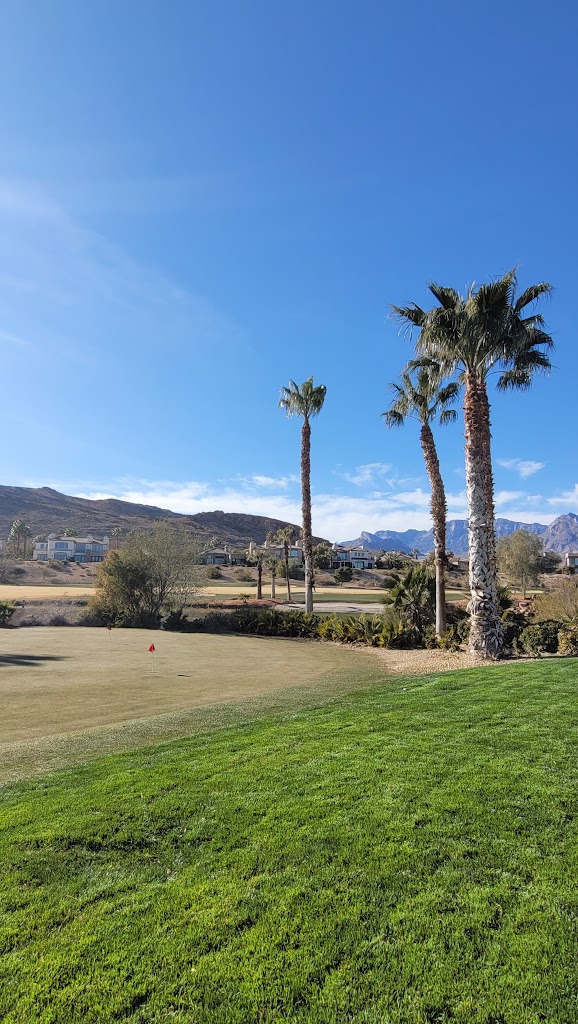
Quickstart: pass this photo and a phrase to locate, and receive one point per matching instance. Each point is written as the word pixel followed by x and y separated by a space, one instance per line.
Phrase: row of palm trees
pixel 18 537
pixel 458 343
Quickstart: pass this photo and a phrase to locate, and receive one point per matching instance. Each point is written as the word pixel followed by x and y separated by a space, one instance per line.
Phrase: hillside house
pixel 216 556
pixel 70 549
pixel 275 550
pixel 571 561
pixel 351 558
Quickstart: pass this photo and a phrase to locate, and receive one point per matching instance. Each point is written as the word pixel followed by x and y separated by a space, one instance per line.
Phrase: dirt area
pixel 422 662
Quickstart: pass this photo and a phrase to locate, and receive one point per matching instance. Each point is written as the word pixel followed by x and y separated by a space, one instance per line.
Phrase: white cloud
pixel 525 467
pixel 567 499
pixel 507 497
pixel 259 480
pixel 368 473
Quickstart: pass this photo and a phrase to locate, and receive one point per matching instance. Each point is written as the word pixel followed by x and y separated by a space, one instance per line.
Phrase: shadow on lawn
pixel 28 660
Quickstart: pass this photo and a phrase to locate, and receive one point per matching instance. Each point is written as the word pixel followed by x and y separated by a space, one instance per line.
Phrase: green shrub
pixel 6 612
pixel 448 641
pixel 540 638
pixel 513 624
pixel 244 575
pixel 214 573
pixel 568 640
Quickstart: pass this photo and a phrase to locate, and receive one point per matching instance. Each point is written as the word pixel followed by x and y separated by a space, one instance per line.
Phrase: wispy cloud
pixel 368 473
pixel 525 467
pixel 260 480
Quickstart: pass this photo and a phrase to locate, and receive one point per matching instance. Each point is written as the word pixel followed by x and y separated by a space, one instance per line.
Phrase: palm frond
pixel 535 291
pixel 448 416
pixel 393 418
pixel 449 298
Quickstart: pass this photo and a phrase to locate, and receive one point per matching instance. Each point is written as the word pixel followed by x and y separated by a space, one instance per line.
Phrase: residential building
pixel 70 549
pixel 352 558
pixel 571 561
pixel 275 550
pixel 216 556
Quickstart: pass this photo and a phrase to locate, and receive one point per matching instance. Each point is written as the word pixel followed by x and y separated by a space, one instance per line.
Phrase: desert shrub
pixel 448 641
pixel 6 612
pixel 568 640
pixel 539 638
pixel 343 575
pixel 513 624
pixel 389 581
pixel 560 603
pixel 243 575
pixel 59 620
pixel 214 573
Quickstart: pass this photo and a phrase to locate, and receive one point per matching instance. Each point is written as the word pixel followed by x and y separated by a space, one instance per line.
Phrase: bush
pixel 568 640
pixel 540 638
pixel 6 612
pixel 214 573
pixel 448 641
pixel 244 576
pixel 513 624
pixel 388 582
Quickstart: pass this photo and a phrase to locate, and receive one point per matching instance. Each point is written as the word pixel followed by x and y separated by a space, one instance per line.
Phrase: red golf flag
pixel 152 648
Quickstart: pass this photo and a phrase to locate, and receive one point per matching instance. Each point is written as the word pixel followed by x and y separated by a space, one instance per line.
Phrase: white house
pixel 352 558
pixel 70 549
pixel 571 560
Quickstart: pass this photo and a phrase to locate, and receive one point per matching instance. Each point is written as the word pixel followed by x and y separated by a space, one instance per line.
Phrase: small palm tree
pixel 16 535
pixel 472 334
pixel 305 401
pixel 411 597
pixel 424 398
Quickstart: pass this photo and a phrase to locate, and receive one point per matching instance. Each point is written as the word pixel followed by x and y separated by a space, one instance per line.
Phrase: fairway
pixel 43 592
pixel 59 680
pixel 403 855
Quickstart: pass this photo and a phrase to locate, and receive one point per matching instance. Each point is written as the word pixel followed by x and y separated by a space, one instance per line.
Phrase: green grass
pixel 406 855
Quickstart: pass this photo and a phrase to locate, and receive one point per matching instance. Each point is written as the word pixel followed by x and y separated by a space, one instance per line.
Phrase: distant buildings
pixel 571 561
pixel 70 549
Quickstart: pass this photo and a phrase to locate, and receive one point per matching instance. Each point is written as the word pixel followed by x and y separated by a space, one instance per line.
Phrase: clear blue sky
pixel 199 201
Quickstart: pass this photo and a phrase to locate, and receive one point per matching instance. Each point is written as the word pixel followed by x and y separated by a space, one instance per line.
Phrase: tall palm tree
pixel 424 398
pixel 474 333
pixel 286 536
pixel 271 564
pixel 258 559
pixel 305 401
pixel 15 535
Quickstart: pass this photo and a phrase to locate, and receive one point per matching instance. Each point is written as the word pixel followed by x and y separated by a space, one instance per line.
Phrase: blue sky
pixel 199 201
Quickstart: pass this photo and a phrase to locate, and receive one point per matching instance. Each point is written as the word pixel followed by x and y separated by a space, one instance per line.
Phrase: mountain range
pixel 45 510
pixel 560 536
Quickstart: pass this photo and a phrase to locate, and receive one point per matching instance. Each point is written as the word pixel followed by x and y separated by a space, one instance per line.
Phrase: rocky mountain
pixel 560 536
pixel 45 510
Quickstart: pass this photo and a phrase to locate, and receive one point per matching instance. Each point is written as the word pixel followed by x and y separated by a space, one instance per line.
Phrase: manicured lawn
pixel 406 855
pixel 68 692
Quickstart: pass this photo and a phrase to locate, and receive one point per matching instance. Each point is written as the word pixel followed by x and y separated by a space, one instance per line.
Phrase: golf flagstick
pixel 152 650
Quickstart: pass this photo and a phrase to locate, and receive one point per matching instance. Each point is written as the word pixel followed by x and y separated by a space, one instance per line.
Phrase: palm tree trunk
pixel 273 595
pixel 259 581
pixel 286 553
pixel 486 637
pixel 489 481
pixel 439 513
pixel 306 512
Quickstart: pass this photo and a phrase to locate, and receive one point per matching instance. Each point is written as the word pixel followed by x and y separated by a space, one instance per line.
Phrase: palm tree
pixel 271 564
pixel 286 536
pixel 258 559
pixel 16 535
pixel 305 401
pixel 473 334
pixel 26 534
pixel 424 398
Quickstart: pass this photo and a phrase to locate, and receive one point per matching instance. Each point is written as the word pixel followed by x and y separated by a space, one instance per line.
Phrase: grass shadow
pixel 29 660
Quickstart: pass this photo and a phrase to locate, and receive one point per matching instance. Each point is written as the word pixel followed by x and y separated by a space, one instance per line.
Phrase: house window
pixel 61 545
